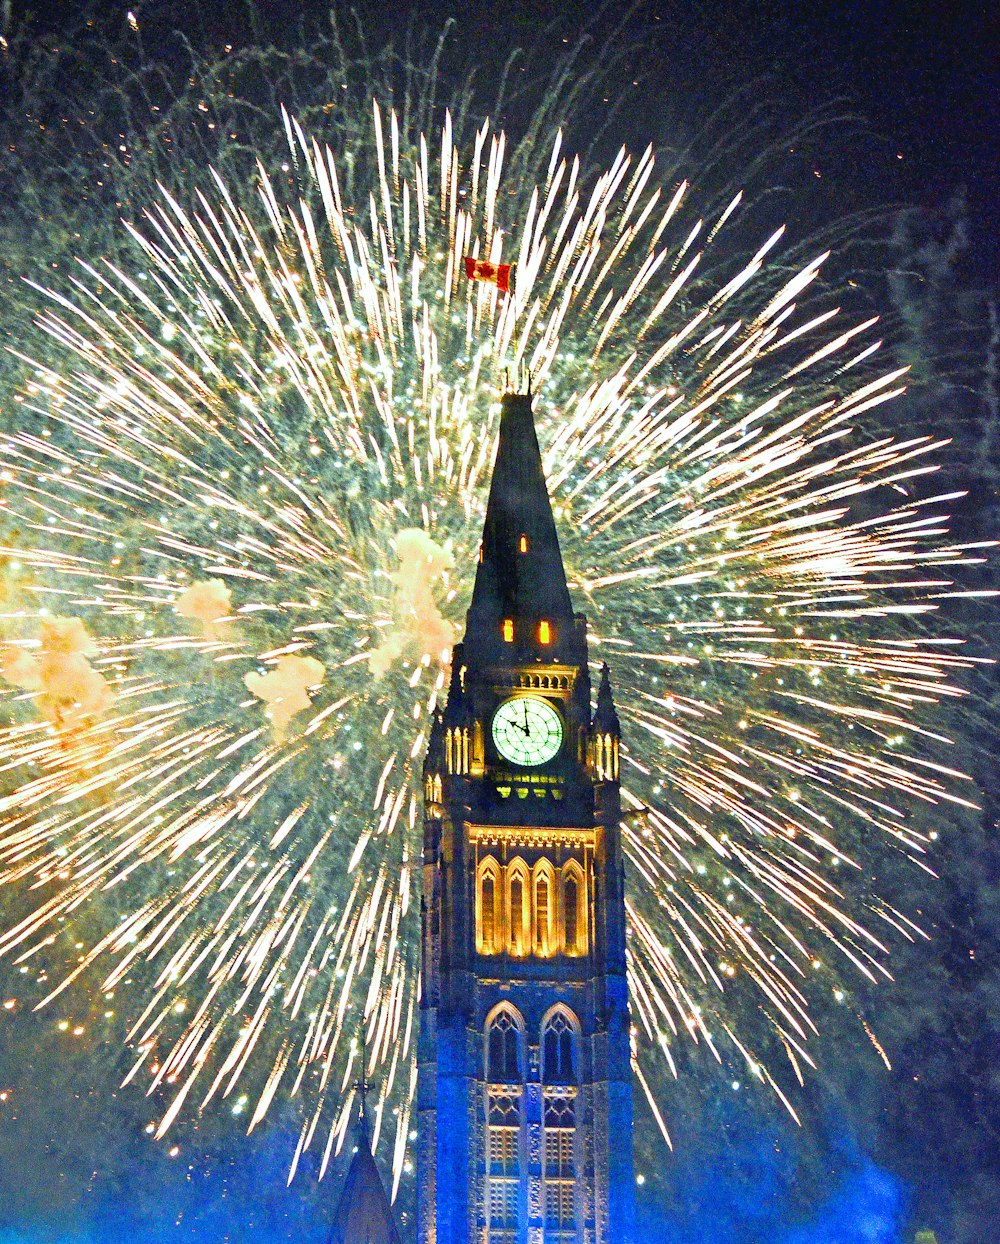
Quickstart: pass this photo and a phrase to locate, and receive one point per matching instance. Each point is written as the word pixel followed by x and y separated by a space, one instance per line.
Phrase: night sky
pixel 882 1153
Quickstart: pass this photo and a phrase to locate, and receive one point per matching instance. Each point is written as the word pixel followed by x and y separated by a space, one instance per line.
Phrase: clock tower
pixel 525 1087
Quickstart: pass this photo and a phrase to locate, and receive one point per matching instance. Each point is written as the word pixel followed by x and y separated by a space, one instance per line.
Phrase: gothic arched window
pixel 574 910
pixel 544 910
pixel 560 1067
pixel 503 1048
pixel 504 1103
pixel 519 909
pixel 489 931
pixel 559 1050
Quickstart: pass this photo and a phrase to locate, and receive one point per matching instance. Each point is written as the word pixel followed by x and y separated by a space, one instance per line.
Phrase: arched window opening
pixel 489 915
pixel 606 748
pixel 544 943
pixel 519 916
pixel 571 913
pixel 504 1146
pixel 489 939
pixel 559 1051
pixel 503 1049
pixel 574 919
pixel 560 1036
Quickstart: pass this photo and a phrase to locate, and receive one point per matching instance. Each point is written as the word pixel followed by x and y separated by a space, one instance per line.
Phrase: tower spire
pixel 520 578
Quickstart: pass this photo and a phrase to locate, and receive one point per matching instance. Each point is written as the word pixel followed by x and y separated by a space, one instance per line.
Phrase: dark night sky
pixel 923 75
pixel 924 78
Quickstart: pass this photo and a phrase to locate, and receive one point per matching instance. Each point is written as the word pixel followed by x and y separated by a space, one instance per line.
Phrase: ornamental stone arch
pixel 544 900
pixel 489 907
pixel 518 903
pixel 573 909
pixel 504 1044
pixel 560 1036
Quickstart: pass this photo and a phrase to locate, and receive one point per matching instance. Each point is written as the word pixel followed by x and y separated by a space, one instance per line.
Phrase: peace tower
pixel 524 1088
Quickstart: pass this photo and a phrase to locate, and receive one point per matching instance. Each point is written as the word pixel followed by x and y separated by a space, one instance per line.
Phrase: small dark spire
pixel 434 759
pixel 457 711
pixel 606 717
pixel 363 1087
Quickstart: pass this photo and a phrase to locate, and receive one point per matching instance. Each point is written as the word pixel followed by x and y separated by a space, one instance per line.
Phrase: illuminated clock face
pixel 527 730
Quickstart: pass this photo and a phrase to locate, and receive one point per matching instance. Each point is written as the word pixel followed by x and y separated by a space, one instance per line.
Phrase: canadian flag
pixel 498 274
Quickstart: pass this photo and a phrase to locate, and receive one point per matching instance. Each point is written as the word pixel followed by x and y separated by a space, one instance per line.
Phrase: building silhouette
pixel 524 1086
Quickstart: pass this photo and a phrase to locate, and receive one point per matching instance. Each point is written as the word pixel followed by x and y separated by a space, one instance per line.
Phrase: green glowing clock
pixel 527 730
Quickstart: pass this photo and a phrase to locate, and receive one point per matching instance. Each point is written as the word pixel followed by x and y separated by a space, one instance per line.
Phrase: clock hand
pixel 527 728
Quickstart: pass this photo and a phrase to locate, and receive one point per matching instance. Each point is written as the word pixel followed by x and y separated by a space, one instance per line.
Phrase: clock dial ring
pixel 527 730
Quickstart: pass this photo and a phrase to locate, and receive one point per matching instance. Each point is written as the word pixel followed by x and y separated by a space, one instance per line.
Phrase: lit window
pixel 480 552
pixel 508 630
pixel 544 633
pixel 576 939
pixel 559 1037
pixel 571 907
pixel 519 942
pixel 488 909
pixel 504 1150
pixel 523 544
pixel 543 917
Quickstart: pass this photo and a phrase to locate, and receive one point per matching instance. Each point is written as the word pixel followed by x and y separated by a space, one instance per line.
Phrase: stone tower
pixel 524 1090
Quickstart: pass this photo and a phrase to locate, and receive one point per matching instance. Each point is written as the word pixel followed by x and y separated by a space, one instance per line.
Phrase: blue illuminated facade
pixel 525 1087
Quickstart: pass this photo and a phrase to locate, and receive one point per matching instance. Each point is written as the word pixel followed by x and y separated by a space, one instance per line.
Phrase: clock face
pixel 527 730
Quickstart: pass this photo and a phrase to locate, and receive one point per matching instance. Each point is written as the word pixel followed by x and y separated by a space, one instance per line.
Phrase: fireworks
pixel 240 518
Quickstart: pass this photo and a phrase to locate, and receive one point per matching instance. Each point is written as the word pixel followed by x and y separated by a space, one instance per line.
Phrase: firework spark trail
pixel 258 476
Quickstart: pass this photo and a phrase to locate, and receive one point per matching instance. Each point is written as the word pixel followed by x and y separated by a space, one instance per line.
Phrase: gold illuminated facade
pixel 530 901
pixel 524 1089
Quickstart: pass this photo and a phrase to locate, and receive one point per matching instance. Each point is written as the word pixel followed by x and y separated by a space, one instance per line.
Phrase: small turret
pixel 434 759
pixel 458 719
pixel 606 717
pixel 434 764
pixel 605 732
pixel 457 710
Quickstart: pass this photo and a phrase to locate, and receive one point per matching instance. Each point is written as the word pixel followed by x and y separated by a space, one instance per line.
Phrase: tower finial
pixel 363 1086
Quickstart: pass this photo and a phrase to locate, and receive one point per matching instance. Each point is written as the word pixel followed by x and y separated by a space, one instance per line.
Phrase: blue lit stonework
pixel 524 1091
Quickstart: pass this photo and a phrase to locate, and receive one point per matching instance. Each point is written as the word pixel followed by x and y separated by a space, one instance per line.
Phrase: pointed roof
pixel 363 1215
pixel 606 717
pixel 520 574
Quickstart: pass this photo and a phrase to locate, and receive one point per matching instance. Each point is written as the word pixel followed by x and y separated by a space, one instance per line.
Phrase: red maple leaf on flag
pixel 498 274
